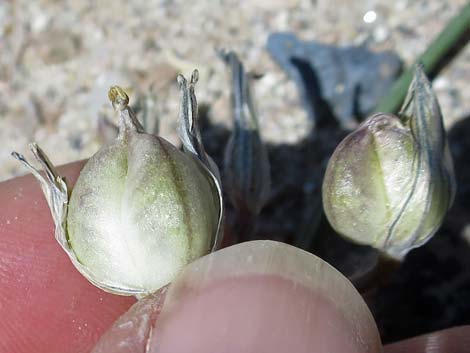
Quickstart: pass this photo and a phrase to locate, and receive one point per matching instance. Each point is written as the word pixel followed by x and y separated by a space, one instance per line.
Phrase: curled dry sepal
pixel 246 165
pixel 141 209
pixel 390 183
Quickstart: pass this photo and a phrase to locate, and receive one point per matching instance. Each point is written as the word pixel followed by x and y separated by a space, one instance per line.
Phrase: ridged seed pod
pixel 390 183
pixel 141 209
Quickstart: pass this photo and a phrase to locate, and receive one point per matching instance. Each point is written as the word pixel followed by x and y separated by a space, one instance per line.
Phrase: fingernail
pixel 131 332
pixel 262 296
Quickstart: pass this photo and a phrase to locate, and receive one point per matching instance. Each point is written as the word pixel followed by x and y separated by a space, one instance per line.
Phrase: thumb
pixel 259 296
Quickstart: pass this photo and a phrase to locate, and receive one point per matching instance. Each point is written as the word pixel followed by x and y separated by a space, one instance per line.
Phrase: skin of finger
pixel 123 338
pixel 252 297
pixel 453 340
pixel 45 304
pixel 131 331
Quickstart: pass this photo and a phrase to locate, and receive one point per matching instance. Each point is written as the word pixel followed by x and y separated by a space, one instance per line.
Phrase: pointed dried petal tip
pixel 140 211
pixel 421 110
pixel 190 135
pixel 390 183
pixel 246 163
pixel 53 186
pixel 188 127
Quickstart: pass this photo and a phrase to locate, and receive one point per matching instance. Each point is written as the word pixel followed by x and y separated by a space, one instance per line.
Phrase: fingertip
pixel 45 304
pixel 258 297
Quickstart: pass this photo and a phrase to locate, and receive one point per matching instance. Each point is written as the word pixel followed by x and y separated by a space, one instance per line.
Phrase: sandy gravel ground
pixel 58 58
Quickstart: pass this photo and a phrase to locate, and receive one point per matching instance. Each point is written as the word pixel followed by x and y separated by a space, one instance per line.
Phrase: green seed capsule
pixel 141 209
pixel 390 183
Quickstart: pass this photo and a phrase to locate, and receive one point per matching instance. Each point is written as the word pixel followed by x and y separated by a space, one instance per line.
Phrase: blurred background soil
pixel 58 59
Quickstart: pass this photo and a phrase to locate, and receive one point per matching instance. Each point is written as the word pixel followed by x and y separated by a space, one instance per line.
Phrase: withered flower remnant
pixel 246 165
pixel 390 182
pixel 141 209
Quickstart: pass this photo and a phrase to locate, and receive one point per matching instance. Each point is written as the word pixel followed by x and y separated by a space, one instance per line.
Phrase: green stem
pixel 457 30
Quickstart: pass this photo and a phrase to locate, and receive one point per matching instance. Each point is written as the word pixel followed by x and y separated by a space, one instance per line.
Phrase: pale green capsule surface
pixel 390 182
pixel 140 211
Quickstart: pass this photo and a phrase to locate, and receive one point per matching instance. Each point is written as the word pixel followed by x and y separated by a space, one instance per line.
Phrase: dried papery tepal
pixel 246 164
pixel 141 209
pixel 390 183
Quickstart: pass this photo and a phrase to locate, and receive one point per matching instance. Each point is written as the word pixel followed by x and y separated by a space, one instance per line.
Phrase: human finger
pixel 453 340
pixel 259 296
pixel 45 304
